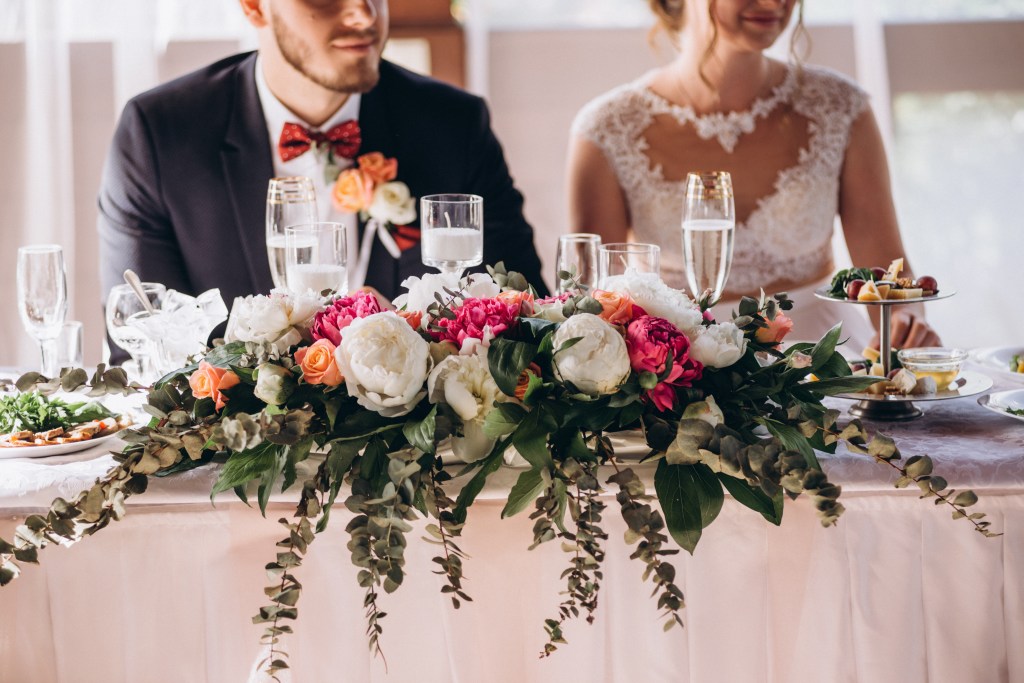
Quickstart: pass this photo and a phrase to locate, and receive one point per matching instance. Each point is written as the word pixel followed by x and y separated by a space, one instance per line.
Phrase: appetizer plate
pixel 1001 400
pixel 822 293
pixel 966 384
pixel 997 359
pixel 55 449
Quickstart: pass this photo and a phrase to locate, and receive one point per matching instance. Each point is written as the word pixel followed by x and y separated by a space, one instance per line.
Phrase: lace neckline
pixel 727 127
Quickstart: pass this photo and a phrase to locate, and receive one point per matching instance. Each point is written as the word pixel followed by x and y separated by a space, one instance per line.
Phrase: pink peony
pixel 651 341
pixel 476 318
pixel 329 322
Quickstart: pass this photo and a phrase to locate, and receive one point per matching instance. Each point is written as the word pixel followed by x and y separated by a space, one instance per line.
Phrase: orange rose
pixel 378 167
pixel 211 382
pixel 414 318
pixel 524 300
pixel 777 329
pixel 616 308
pixel 318 364
pixel 353 191
pixel 524 379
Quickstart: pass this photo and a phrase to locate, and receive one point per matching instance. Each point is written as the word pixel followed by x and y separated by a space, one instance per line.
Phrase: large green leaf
pixel 842 385
pixel 691 497
pixel 507 359
pixel 244 466
pixel 531 440
pixel 420 433
pixel 294 454
pixel 504 419
pixel 826 346
pixel 527 488
pixel 473 487
pixel 755 499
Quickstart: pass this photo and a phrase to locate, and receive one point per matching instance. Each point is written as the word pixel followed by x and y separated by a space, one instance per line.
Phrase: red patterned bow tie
pixel 296 140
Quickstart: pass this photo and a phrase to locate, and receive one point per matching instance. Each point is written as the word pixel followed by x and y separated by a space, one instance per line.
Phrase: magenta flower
pixel 329 322
pixel 475 318
pixel 651 342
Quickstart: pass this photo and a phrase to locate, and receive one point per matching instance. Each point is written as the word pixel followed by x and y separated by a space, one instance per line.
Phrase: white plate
pixel 1001 400
pixel 55 449
pixel 997 358
pixel 822 293
pixel 966 384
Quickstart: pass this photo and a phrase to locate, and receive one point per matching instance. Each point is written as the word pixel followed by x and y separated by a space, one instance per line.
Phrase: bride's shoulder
pixel 620 109
pixel 830 91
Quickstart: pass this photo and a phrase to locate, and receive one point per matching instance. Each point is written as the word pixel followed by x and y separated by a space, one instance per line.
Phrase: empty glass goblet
pixel 43 298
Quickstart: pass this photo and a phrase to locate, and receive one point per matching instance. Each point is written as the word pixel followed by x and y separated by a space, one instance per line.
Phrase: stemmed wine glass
pixel 43 298
pixel 316 257
pixel 620 258
pixel 709 223
pixel 577 254
pixel 452 229
pixel 291 200
pixel 122 304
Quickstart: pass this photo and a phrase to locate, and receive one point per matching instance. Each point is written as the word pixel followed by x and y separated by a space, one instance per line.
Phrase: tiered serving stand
pixel 885 407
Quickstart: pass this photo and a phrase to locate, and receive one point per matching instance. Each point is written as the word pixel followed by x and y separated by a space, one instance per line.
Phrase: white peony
pixel 659 300
pixel 393 203
pixel 420 291
pixel 385 363
pixel 272 319
pixel 599 362
pixel 719 345
pixel 464 382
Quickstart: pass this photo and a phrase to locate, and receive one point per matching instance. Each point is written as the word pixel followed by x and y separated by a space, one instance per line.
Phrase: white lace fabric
pixel 788 234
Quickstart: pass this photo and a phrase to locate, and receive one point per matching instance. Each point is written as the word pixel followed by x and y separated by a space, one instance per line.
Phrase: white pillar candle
pixel 452 244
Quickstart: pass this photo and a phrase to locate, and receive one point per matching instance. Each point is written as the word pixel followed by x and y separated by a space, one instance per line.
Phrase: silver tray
pixel 822 293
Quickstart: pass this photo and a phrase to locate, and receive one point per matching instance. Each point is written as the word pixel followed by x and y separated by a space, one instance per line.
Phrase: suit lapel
pixel 248 165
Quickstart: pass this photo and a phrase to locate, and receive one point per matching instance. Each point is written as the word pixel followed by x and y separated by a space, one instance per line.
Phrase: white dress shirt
pixel 313 163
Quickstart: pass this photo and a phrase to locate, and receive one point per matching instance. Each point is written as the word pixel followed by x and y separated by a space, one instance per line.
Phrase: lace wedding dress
pixel 787 232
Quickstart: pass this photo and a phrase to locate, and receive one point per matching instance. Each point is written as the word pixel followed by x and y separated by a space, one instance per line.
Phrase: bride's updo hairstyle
pixel 670 17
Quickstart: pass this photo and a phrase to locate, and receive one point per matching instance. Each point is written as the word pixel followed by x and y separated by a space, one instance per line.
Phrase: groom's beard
pixel 335 71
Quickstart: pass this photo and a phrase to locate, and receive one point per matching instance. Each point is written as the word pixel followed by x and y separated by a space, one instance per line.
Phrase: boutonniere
pixel 369 188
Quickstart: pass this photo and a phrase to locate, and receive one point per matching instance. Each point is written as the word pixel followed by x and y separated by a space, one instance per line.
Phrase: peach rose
pixel 318 364
pixel 617 308
pixel 378 167
pixel 524 300
pixel 414 318
pixel 524 379
pixel 211 382
pixel 775 332
pixel 353 191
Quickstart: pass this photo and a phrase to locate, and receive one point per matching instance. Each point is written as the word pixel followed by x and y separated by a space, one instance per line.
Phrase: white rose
pixel 706 410
pixel 659 300
pixel 599 362
pixel 464 382
pixel 385 363
pixel 392 203
pixel 549 311
pixel 420 291
pixel 719 345
pixel 273 319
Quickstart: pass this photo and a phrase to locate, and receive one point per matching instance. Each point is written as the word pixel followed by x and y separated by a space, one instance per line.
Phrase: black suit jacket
pixel 183 194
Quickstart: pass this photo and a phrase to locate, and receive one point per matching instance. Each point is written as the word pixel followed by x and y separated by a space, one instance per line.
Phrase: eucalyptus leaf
pixel 526 489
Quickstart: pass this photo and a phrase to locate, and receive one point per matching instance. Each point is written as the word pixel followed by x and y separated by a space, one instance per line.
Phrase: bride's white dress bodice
pixel 787 236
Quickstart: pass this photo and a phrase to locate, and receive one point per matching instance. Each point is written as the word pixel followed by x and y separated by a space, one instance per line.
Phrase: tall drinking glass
pixel 122 304
pixel 43 298
pixel 452 231
pixel 316 257
pixel 290 201
pixel 577 254
pixel 620 258
pixel 709 223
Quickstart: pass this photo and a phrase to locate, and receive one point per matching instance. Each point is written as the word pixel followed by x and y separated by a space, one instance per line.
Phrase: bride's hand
pixel 908 331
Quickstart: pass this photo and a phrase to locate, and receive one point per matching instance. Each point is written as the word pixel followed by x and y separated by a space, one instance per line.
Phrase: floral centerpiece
pixel 369 396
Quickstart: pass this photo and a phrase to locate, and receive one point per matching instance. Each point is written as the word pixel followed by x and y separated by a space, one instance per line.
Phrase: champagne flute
pixel 122 304
pixel 316 257
pixel 709 224
pixel 291 200
pixel 577 254
pixel 43 298
pixel 452 229
pixel 622 258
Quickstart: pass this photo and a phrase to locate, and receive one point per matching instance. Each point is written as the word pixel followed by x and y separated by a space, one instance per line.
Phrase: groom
pixel 183 194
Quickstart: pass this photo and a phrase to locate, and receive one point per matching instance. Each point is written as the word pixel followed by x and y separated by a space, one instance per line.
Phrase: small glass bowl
pixel 942 365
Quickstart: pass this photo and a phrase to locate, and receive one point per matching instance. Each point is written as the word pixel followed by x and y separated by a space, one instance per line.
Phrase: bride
pixel 801 144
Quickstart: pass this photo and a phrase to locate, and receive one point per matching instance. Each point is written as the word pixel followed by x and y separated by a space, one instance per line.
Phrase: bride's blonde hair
pixel 670 15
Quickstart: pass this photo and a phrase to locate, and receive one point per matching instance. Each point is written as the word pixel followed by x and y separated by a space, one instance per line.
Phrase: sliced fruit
pixel 869 292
